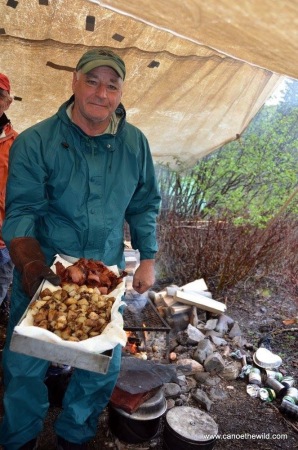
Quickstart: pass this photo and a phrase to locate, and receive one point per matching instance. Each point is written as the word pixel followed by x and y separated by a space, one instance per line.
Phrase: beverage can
pixel 288 381
pixel 267 394
pixel 289 399
pixel 253 390
pixel 288 408
pixel 293 392
pixel 264 394
pixel 273 374
pixel 279 388
pixel 254 376
pixel 272 394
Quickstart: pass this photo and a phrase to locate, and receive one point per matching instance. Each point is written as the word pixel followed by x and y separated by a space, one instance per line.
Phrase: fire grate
pixel 141 315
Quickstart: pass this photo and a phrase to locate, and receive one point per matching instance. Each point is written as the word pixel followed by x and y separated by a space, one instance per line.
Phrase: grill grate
pixel 141 315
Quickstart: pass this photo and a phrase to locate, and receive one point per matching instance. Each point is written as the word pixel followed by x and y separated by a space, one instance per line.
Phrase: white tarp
pixel 197 71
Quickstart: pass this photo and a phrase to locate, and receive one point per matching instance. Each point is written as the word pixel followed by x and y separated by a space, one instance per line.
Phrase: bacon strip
pixel 91 273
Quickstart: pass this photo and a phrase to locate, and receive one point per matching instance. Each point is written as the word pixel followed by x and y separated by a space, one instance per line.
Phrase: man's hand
pixel 144 276
pixel 28 258
pixel 34 273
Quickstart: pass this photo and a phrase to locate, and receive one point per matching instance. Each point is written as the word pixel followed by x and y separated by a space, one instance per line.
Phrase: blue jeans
pixel 6 270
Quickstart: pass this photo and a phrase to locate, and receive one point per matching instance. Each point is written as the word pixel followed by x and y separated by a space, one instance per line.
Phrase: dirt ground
pixel 244 422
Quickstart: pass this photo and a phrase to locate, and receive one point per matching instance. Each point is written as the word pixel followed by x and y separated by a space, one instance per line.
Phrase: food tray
pixel 92 354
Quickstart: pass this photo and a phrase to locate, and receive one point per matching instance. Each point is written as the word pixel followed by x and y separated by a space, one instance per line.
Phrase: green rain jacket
pixel 72 192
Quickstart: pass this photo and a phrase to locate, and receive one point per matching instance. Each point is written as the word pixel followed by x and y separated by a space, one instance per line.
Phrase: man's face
pixel 5 101
pixel 97 95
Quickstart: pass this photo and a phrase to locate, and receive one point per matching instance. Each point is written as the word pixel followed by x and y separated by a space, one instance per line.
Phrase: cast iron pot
pixel 188 428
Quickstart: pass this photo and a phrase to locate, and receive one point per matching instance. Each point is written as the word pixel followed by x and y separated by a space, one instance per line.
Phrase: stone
pixel 213 333
pixel 171 390
pixel 188 366
pixel 223 324
pixel 201 377
pixel 202 398
pixel 239 341
pixel 170 403
pixel 235 331
pixel 231 370
pixel 211 324
pixel 194 335
pixel 214 363
pixel 218 341
pixel 212 380
pixel 204 349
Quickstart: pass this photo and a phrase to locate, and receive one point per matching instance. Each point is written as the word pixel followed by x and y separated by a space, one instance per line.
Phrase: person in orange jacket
pixel 7 136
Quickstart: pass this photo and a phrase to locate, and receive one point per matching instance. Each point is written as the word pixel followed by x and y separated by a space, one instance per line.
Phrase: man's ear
pixel 74 80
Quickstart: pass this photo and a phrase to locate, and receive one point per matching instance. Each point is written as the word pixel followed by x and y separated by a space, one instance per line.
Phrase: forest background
pixel 233 215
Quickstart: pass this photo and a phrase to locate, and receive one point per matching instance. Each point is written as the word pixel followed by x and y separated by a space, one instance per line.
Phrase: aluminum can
pixel 271 393
pixel 279 388
pixel 254 376
pixel 272 374
pixel 293 392
pixel 267 394
pixel 289 399
pixel 288 408
pixel 288 381
pixel 264 394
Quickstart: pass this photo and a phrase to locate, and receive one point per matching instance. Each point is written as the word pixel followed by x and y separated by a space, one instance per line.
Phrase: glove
pixel 27 256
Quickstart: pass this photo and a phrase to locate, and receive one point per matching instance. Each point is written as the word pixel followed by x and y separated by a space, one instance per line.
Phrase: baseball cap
pixel 4 82
pixel 101 57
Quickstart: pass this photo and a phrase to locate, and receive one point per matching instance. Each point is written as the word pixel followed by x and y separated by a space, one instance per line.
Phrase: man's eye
pixel 91 82
pixel 111 87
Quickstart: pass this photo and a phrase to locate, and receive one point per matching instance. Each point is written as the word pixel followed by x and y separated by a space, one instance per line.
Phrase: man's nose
pixel 101 90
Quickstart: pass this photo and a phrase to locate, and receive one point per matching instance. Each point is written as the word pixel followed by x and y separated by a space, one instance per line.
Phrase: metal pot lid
pixel 192 423
pixel 153 408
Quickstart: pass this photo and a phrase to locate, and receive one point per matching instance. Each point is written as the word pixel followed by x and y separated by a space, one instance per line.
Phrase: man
pixel 73 181
pixel 7 136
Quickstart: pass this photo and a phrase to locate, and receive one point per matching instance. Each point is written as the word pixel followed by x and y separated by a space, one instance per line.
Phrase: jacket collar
pixel 120 112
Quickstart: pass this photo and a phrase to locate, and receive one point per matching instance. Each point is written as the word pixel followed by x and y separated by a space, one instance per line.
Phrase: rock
pixel 204 349
pixel 191 383
pixel 194 335
pixel 218 341
pixel 189 366
pixel 231 370
pixel 211 324
pixel 201 377
pixel 235 331
pixel 171 390
pixel 182 380
pixel 223 324
pixel 212 380
pixel 213 333
pixel 170 403
pixel 239 341
pixel 202 398
pixel 214 363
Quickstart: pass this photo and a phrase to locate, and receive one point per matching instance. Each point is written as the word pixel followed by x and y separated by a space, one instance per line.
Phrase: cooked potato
pixel 74 313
